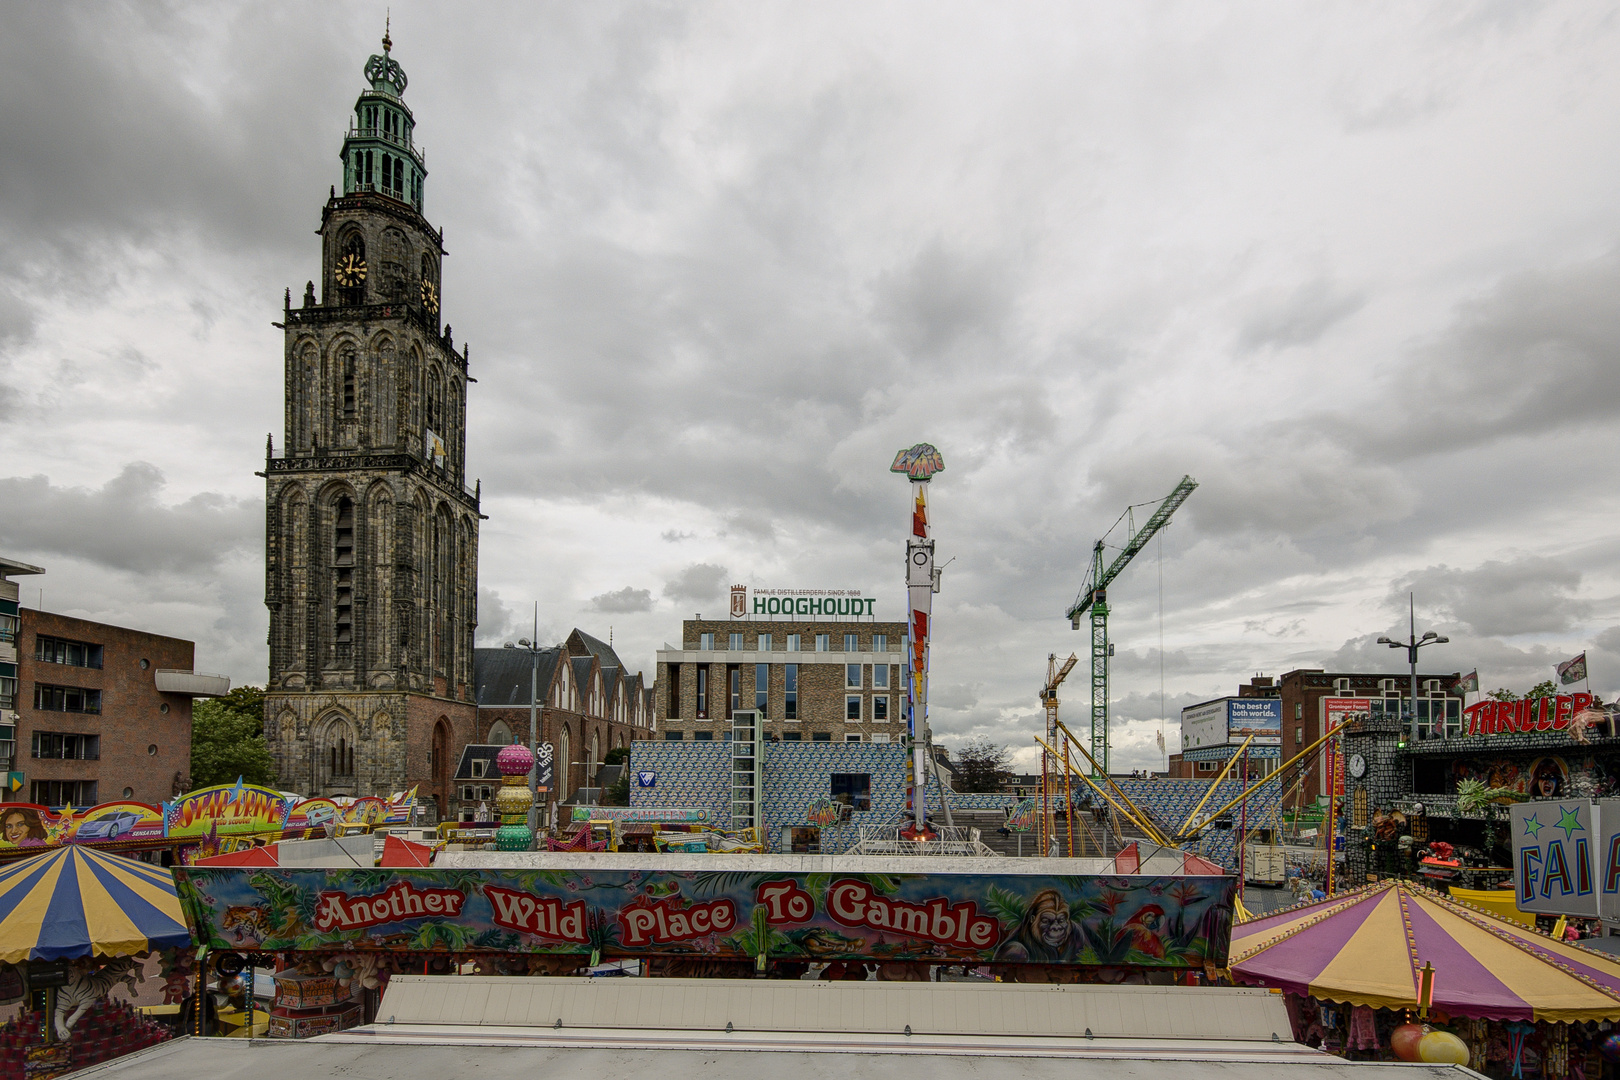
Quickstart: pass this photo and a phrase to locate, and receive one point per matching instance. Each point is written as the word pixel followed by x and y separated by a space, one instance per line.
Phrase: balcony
pixel 190 683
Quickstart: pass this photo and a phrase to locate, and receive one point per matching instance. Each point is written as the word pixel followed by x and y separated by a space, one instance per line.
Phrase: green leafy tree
pixel 619 755
pixel 227 740
pixel 1543 689
pixel 980 766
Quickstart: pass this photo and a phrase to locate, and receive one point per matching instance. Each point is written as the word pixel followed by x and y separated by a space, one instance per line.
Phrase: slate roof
pixel 502 675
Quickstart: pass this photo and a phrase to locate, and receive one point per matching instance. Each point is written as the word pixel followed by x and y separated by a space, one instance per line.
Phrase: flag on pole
pixel 1572 671
pixel 1469 683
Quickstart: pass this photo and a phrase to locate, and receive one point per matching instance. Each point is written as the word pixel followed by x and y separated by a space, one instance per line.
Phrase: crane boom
pixel 1098 579
pixel 1093 600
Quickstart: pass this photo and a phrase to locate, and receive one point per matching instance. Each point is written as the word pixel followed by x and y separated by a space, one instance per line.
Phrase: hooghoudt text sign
pixel 810 603
pixel 1142 921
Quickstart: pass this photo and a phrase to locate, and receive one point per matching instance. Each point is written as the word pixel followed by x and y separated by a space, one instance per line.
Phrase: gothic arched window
pixel 343 571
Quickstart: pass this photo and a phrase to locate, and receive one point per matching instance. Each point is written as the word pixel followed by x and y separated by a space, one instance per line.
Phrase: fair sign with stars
pixel 1560 867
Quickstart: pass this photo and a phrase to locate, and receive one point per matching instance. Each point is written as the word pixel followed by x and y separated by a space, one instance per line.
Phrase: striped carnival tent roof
pixel 75 902
pixel 1368 947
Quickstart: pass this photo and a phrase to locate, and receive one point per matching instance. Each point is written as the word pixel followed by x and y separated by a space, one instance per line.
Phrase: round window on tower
pixel 145 664
pixel 129 793
pixel 151 751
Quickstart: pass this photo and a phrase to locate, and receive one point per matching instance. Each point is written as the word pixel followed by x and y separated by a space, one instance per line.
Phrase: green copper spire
pixel 379 154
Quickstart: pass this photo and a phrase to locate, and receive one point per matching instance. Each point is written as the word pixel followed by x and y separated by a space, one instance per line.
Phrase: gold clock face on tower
pixel 430 295
pixel 351 271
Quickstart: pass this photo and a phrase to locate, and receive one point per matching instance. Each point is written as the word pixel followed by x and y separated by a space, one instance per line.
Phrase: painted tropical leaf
pixel 1004 905
pixel 716 883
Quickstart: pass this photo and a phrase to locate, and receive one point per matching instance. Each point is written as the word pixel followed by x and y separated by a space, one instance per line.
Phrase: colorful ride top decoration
pixel 223 810
pixel 1148 921
pixel 920 463
pixel 514 799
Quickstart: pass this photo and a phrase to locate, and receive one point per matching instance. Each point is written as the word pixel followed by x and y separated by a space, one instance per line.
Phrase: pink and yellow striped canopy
pixel 1368 947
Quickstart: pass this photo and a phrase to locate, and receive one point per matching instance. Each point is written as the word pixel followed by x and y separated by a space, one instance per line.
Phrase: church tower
pixel 371 533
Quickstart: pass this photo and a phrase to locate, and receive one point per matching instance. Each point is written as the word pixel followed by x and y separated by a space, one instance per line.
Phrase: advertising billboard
pixel 1203 725
pixel 1337 711
pixel 1138 921
pixel 1260 717
pixel 1228 721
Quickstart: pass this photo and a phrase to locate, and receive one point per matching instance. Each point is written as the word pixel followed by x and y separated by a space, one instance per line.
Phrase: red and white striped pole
pixel 920 463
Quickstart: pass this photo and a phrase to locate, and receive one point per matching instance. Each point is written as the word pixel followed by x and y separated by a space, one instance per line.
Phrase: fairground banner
pixel 1159 922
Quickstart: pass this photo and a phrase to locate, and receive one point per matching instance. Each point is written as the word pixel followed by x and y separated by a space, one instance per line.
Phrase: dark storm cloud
pixel 700 581
pixel 1299 317
pixel 624 600
pixel 122 525
pixel 1537 354
pixel 122 120
pixel 1499 599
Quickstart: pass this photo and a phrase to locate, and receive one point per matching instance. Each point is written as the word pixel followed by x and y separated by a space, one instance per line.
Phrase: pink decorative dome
pixel 514 760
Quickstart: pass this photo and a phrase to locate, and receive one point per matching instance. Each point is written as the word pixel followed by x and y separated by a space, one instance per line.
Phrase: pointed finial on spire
pixel 388 20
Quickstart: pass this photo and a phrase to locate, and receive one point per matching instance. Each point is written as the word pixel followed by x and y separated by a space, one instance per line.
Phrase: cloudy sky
pixel 1353 267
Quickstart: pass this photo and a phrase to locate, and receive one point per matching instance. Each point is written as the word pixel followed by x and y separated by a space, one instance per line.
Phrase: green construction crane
pixel 1093 598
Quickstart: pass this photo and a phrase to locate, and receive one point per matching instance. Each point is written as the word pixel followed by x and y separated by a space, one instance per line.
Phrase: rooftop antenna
pixel 388 19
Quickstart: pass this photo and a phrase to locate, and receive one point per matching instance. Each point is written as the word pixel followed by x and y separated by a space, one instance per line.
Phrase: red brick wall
pixel 145 735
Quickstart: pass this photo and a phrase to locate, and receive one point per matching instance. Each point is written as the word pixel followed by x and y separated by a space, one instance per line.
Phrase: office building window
pixel 883 738
pixel 852 676
pixel 66 699
pixel 852 736
pixel 793 643
pixel 702 736
pixel 821 736
pixel 764 643
pixel 762 687
pixel 706 642
pixel 734 676
pixel 854 790
pixel 49 744
pixel 852 707
pixel 792 736
pixel 63 792
pixel 880 676
pixel 790 678
pixel 880 708
pixel 674 736
pixel 703 692
pixel 852 643
pixel 880 642
pixel 1299 738
pixel 60 651
pixel 672 707
pixel 823 643
pixel 735 644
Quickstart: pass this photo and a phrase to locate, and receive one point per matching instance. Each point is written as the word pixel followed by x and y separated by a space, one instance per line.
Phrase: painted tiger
pixel 244 921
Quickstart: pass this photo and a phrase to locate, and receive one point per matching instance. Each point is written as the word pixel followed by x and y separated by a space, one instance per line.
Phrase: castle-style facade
pixel 371 532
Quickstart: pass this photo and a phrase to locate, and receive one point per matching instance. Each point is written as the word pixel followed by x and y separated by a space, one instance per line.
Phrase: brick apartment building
pixel 1302 692
pixel 815 681
pixel 589 704
pixel 99 713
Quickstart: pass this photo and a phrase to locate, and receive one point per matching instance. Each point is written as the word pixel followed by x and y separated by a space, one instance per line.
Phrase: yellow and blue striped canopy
pixel 75 902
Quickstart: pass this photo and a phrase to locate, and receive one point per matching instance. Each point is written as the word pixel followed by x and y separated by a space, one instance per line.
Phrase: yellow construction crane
pixel 1049 697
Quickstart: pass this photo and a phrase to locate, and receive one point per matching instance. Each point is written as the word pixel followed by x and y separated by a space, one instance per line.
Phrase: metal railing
pixel 403 142
pixel 959 840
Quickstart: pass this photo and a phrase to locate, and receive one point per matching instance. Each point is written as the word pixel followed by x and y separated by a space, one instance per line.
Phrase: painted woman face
pixel 1053 927
pixel 16 828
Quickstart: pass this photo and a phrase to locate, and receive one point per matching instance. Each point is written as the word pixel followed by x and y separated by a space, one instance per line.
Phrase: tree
pixel 227 740
pixel 1543 689
pixel 981 766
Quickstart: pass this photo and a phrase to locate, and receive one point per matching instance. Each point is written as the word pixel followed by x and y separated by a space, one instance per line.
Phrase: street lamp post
pixel 1412 644
pixel 534 728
